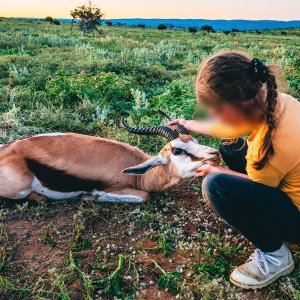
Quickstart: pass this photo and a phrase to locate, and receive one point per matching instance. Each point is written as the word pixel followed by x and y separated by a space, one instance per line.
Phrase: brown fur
pixel 90 159
pixel 185 138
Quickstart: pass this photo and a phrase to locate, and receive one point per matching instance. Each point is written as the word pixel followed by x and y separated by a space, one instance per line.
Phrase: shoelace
pixel 263 259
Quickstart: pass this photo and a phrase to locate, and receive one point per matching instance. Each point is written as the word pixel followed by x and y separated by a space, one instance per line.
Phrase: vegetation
pixel 192 29
pixel 89 17
pixel 54 78
pixel 52 21
pixel 56 22
pixel 162 27
pixel 49 19
pixel 207 28
pixel 109 23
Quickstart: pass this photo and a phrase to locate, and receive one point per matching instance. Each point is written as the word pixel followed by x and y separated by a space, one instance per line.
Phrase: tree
pixel 192 30
pixel 49 19
pixel 56 22
pixel 162 27
pixel 88 16
pixel 226 32
pixel 207 28
pixel 109 23
pixel 141 25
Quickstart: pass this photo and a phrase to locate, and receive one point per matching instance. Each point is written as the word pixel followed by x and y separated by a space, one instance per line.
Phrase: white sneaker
pixel 263 268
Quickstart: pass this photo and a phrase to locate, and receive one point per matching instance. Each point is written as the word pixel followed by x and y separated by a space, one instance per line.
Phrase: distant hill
pixel 216 24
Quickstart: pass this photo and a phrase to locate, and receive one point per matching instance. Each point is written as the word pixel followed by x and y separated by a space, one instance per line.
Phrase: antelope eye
pixel 178 151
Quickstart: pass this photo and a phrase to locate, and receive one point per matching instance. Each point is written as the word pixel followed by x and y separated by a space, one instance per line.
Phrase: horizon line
pixel 124 18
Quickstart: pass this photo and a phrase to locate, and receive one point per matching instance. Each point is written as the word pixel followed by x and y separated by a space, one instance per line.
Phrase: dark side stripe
pixel 60 181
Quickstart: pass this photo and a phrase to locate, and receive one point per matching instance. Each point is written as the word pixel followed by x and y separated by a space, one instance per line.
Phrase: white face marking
pixel 110 197
pixel 54 195
pixel 184 164
pixel 186 168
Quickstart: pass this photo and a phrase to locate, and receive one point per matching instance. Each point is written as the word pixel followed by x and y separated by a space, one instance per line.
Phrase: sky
pixel 185 9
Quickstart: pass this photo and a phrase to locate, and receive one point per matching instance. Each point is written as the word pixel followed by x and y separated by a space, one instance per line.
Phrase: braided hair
pixel 264 76
pixel 234 77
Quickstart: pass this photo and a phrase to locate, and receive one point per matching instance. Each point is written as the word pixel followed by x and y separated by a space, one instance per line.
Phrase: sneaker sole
pixel 265 283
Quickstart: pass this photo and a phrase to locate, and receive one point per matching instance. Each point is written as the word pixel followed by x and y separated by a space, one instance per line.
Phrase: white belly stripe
pixel 99 195
pixel 40 189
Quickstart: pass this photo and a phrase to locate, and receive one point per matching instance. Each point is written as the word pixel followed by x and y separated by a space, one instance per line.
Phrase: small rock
pixel 143 285
pixel 128 278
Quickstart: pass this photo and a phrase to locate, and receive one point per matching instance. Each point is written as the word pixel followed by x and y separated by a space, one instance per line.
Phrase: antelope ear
pixel 145 166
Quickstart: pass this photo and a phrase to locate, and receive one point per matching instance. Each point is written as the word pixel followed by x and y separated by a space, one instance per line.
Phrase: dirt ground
pixel 62 250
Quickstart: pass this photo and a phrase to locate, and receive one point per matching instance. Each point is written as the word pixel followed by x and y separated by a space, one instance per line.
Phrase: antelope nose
pixel 213 152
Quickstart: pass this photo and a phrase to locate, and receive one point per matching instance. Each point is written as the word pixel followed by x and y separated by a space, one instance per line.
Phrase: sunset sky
pixel 199 9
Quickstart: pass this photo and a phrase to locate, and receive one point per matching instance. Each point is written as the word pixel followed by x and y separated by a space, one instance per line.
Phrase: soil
pixel 43 235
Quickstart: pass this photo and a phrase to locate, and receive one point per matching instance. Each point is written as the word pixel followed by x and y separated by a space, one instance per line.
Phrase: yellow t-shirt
pixel 283 169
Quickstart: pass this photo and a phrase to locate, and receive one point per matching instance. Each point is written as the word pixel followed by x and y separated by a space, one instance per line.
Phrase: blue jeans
pixel 264 215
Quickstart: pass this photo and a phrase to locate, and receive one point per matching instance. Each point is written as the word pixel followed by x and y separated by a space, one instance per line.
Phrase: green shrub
pixel 105 89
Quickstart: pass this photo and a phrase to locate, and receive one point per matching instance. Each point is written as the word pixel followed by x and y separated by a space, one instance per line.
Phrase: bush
pixel 109 23
pixel 89 17
pixel 207 28
pixel 192 29
pixel 49 19
pixel 235 30
pixel 141 25
pixel 56 22
pixel 105 89
pixel 162 27
pixel 177 98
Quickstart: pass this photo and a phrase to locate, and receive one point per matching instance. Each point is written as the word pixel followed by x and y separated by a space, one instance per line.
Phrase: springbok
pixel 62 166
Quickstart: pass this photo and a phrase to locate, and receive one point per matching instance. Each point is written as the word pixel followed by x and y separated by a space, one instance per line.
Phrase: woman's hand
pixel 200 127
pixel 209 169
pixel 182 122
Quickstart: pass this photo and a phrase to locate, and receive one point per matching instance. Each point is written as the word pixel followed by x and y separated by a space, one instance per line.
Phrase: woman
pixel 259 194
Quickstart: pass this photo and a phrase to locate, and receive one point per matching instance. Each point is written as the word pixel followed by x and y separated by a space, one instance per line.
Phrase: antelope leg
pixel 125 195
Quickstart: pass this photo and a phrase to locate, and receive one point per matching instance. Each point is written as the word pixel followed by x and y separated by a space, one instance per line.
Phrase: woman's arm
pixel 212 128
pixel 209 169
pixel 200 127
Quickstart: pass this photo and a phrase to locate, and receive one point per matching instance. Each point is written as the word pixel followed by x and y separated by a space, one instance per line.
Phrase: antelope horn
pixel 163 131
pixel 178 128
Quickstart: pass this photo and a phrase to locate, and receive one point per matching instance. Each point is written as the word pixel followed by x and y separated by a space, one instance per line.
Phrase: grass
pixel 52 78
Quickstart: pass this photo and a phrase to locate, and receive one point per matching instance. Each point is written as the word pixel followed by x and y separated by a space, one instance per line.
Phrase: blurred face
pixel 228 114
